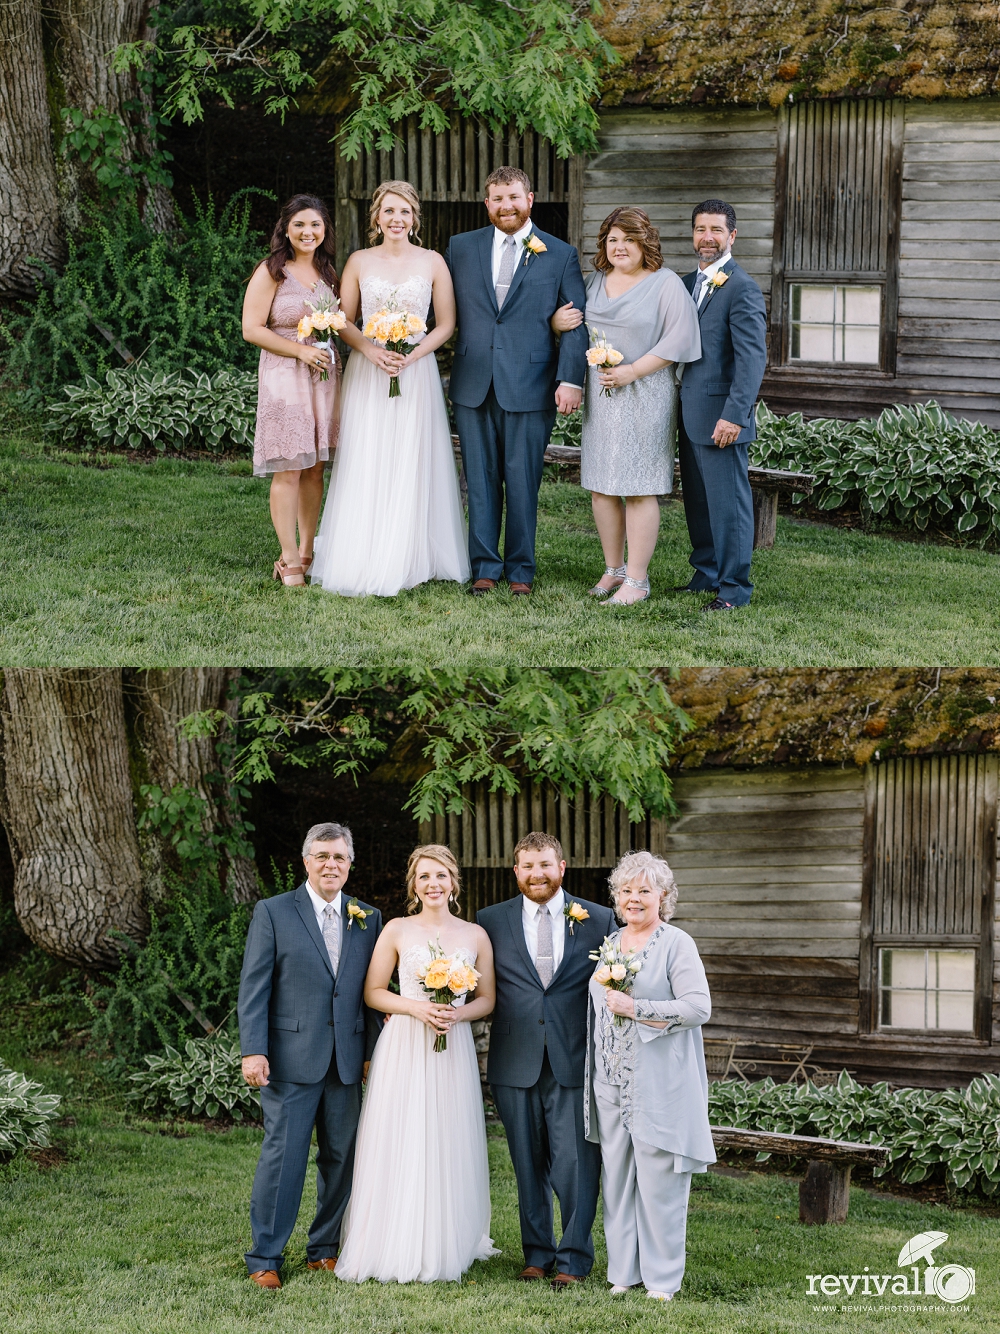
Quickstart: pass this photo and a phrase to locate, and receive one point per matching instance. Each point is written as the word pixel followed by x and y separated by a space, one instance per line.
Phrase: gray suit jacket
pixel 514 347
pixel 528 1018
pixel 291 1009
pixel 726 380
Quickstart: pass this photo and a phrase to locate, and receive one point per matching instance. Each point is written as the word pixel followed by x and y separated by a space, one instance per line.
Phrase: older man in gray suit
pixel 305 1034
pixel 542 941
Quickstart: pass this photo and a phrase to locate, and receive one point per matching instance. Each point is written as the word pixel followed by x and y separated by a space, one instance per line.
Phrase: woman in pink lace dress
pixel 297 410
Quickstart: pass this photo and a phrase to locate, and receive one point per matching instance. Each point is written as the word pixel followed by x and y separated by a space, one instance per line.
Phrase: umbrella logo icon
pixel 921 1247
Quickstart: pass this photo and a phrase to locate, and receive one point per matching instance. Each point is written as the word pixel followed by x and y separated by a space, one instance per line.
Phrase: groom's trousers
pixel 718 506
pixel 545 1135
pixel 290 1112
pixel 502 452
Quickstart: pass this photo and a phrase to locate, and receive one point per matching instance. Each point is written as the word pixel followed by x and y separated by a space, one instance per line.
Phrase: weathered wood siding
pixel 667 161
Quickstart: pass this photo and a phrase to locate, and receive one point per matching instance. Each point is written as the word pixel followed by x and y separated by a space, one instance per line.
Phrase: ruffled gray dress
pixel 629 438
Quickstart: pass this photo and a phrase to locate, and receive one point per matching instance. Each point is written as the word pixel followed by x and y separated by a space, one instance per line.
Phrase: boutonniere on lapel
pixel 354 912
pixel 718 279
pixel 532 246
pixel 575 912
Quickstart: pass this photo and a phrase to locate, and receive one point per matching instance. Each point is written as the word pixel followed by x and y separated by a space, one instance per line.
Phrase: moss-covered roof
pixel 745 717
pixel 758 52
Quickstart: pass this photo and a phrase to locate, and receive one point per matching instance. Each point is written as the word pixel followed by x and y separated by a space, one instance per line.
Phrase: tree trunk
pixel 68 810
pixel 162 699
pixel 29 199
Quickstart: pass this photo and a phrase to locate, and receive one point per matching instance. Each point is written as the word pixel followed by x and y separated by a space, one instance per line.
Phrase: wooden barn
pixel 835 848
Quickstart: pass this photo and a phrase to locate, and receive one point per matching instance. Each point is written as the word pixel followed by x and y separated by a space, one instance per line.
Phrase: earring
pixel 378 229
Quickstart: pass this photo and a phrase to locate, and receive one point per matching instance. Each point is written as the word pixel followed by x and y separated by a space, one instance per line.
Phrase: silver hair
pixel 326 833
pixel 656 874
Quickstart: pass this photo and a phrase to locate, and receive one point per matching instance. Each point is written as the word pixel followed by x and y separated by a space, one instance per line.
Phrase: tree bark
pixel 29 198
pixel 68 811
pixel 162 699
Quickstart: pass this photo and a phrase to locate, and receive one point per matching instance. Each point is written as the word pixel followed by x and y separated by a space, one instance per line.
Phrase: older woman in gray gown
pixel 643 311
pixel 646 1091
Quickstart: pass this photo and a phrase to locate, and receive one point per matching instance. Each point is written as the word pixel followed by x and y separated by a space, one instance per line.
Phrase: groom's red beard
pixel 512 221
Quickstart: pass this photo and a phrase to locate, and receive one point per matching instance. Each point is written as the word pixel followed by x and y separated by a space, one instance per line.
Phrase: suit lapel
pixel 569 940
pixel 346 933
pixel 713 289
pixel 517 931
pixel 521 268
pixel 486 258
pixel 305 910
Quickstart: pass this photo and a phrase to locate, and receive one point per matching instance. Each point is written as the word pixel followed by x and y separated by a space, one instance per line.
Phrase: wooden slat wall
pixel 667 161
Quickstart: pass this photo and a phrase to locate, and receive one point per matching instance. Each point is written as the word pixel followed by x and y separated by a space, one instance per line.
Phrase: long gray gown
pixel 628 439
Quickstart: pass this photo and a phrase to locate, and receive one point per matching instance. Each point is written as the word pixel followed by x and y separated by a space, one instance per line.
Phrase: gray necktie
pixel 506 270
pixel 544 960
pixel 331 936
pixel 699 284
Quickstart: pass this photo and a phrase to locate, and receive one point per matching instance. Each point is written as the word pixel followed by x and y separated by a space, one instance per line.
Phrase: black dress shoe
pixel 718 605
pixel 686 588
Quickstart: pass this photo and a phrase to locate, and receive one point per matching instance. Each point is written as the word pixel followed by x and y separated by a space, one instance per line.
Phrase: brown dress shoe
pixel 328 1262
pixel 482 586
pixel 531 1273
pixel 266 1278
pixel 520 590
pixel 562 1281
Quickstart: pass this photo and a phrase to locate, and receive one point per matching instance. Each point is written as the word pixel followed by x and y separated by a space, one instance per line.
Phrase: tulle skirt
pixel 420 1204
pixel 393 515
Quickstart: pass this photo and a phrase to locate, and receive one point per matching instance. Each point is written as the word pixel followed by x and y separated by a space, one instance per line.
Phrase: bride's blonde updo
pixel 436 852
pixel 405 191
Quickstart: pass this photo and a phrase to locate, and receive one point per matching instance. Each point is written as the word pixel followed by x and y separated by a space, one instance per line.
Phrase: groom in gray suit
pixel 305 1035
pixel 542 941
pixel 509 379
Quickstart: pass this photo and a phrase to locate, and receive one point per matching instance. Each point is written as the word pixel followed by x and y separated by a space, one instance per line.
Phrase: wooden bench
pixel 824 1194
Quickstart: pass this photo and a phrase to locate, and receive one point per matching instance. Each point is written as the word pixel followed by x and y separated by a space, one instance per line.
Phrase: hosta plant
pixel 141 408
pixel 202 1080
pixel 958 1129
pixel 25 1112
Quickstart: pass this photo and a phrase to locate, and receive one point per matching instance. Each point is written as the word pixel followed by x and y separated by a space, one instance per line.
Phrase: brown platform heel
pixel 290 575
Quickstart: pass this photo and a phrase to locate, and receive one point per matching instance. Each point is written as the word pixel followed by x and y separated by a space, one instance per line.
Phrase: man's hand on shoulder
pixel 256 1071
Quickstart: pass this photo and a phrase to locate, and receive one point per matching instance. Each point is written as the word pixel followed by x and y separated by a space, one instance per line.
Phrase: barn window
pixel 929 890
pixel 836 243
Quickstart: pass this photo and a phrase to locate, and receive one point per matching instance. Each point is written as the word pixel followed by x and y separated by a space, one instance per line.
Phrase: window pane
pixel 955 969
pixel 817 304
pixel 928 989
pixel 905 968
pixel 860 345
pixel 815 342
pixel 862 305
pixel 905 1009
pixel 954 1011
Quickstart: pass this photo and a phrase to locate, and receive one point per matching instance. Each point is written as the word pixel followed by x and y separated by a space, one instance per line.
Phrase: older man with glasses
pixel 305 1034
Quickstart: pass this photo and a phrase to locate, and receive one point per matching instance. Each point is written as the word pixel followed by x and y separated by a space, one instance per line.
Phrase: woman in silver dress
pixel 642 310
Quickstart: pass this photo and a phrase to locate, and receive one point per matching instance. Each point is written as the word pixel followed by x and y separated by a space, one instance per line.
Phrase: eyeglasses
pixel 323 857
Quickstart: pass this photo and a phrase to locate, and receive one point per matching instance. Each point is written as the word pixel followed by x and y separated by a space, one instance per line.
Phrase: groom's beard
pixel 510 221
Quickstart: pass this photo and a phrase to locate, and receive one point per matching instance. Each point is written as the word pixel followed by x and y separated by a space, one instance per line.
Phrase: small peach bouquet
pixel 603 356
pixel 615 969
pixel 325 317
pixel 443 977
pixel 395 329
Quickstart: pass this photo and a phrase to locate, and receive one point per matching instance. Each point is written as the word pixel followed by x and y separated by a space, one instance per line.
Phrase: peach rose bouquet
pixel 443 977
pixel 603 355
pixel 615 969
pixel 396 329
pixel 325 318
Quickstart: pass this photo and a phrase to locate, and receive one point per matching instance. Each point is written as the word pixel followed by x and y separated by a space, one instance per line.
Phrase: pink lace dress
pixel 297 412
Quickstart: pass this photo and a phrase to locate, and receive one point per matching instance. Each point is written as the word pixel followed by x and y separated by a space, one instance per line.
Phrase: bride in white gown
pixel 420 1202
pixel 393 515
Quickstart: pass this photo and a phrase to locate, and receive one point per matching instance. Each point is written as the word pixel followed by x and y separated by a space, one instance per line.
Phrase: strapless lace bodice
pixel 413 294
pixel 413 958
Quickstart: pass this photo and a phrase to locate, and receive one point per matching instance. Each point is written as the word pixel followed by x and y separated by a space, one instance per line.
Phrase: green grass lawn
pixel 169 563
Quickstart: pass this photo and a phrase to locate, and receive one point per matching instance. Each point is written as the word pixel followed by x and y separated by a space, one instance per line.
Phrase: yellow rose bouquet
pixel 603 356
pixel 397 330
pixel 615 969
pixel 444 977
pixel 325 318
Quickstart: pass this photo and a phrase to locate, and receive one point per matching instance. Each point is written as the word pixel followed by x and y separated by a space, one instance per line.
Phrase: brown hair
pixel 436 852
pixel 637 227
pixel 537 842
pixel 405 191
pixel 507 176
pixel 281 248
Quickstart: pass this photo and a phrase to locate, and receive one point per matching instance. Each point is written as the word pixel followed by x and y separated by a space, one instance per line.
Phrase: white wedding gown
pixel 393 514
pixel 420 1203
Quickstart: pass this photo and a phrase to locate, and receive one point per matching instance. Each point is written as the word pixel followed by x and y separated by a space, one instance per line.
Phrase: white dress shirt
pixel 529 919
pixel 319 905
pixel 710 272
pixel 498 239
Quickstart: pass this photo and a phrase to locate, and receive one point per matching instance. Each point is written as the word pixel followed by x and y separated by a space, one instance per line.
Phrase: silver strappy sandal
pixel 597 591
pixel 627 582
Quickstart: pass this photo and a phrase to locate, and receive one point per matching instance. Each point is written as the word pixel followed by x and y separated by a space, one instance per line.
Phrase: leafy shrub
pixel 917 465
pixel 25 1112
pixel 957 1129
pixel 172 300
pixel 204 1079
pixel 139 407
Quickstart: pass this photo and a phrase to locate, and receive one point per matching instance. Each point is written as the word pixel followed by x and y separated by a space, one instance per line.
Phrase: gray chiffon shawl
pixel 656 315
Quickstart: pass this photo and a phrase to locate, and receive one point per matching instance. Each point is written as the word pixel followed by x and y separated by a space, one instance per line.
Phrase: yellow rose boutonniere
pixel 354 912
pixel 575 912
pixel 532 246
pixel 718 278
